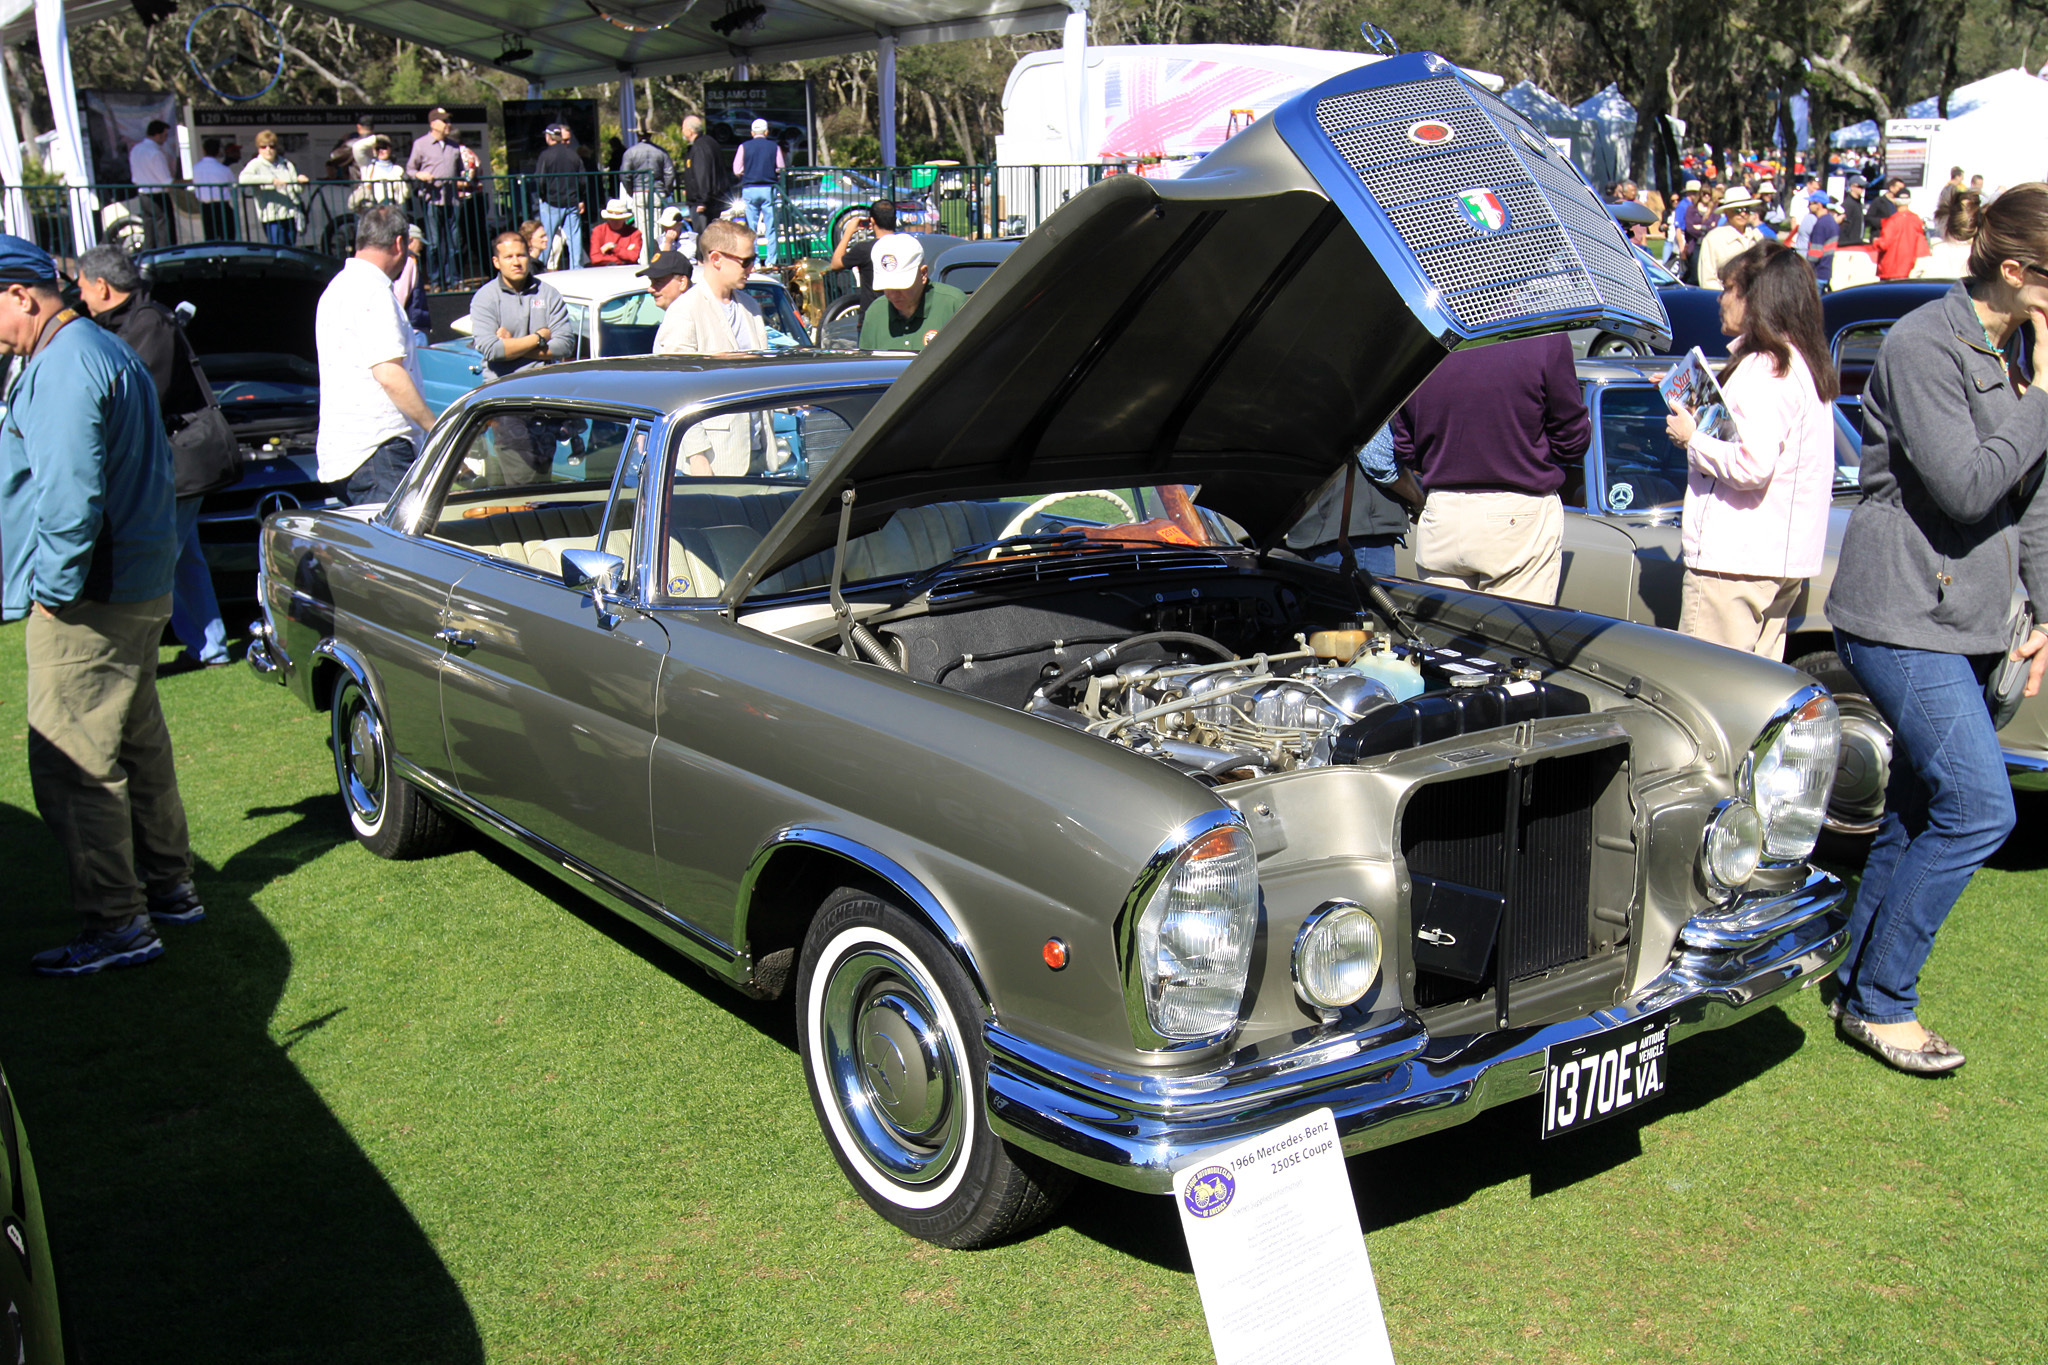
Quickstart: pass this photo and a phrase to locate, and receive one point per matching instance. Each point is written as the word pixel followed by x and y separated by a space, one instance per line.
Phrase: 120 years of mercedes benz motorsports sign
pixel 1255 1214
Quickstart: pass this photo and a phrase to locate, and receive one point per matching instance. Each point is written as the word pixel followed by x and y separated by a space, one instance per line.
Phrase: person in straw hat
pixel 1737 233
pixel 616 240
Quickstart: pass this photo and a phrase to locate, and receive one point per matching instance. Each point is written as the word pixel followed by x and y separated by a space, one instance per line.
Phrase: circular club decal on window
pixel 1621 496
pixel 1484 210
pixel 1210 1192
pixel 1431 133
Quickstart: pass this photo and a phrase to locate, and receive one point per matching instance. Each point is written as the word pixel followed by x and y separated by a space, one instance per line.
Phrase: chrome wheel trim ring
pixel 888 1058
pixel 359 758
pixel 1856 805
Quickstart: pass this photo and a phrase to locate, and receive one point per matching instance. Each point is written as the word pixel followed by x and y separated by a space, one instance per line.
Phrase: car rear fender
pixel 788 879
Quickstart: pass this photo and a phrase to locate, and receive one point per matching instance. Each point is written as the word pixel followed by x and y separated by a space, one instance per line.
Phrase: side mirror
pixel 598 571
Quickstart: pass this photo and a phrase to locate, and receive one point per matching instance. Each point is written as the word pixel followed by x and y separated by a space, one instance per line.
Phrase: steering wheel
pixel 1037 505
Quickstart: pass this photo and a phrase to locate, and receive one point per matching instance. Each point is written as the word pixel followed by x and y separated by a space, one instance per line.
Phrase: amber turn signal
pixel 1054 953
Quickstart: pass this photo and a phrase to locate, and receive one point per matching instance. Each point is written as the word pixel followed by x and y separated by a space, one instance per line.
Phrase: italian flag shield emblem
pixel 1484 210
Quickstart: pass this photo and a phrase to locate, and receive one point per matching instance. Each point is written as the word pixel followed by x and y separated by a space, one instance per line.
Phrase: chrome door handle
pixel 454 639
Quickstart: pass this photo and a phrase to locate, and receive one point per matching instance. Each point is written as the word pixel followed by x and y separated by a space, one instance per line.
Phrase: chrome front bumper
pixel 1387 1079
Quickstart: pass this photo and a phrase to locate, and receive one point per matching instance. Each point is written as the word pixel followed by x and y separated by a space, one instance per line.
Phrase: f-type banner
pixel 1254 1215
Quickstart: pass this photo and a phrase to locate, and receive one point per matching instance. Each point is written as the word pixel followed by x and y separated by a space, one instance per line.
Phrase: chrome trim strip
pixel 1135 1131
pixel 1755 916
pixel 2029 772
pixel 922 901
pixel 1125 930
pixel 706 945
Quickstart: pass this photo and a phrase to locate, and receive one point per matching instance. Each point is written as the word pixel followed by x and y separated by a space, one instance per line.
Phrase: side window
pixel 579 322
pixel 734 475
pixel 1644 470
pixel 1858 345
pixel 527 483
pixel 785 329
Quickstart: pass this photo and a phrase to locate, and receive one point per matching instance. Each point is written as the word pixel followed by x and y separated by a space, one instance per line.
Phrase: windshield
pixel 627 322
pixel 1659 277
pixel 1645 471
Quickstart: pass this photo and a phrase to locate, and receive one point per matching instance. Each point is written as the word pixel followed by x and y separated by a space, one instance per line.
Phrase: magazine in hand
pixel 1692 385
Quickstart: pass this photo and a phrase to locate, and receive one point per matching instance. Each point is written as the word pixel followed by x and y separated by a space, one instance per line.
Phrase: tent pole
pixel 14 205
pixel 629 110
pixel 1074 49
pixel 53 36
pixel 885 49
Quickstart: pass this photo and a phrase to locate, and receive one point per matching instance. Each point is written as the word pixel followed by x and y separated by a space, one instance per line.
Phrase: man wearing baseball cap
pixel 912 308
pixel 559 185
pixel 88 549
pixel 1823 235
pixel 668 279
pixel 759 164
pixel 1853 233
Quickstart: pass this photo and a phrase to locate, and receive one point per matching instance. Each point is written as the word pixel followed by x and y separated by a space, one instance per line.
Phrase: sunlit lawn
pixel 450 1111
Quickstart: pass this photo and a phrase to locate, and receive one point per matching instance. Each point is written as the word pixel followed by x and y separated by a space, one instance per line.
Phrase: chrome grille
pixel 1560 250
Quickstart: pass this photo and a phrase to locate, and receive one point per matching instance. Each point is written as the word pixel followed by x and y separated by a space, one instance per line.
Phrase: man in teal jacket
pixel 88 544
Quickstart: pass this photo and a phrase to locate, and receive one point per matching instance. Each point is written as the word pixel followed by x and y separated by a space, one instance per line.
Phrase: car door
pixel 547 694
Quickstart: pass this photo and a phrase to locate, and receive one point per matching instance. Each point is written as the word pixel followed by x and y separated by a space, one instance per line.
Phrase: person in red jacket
pixel 1902 241
pixel 616 240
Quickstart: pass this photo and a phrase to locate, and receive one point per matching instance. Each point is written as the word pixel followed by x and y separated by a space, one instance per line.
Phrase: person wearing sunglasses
pixel 1955 426
pixel 717 317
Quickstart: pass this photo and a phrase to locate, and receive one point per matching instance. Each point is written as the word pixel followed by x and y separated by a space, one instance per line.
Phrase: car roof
pixel 671 382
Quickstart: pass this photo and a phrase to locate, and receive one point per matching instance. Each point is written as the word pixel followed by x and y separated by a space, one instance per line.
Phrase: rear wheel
pixel 892 1050
pixel 389 816
pixel 839 325
pixel 1856 806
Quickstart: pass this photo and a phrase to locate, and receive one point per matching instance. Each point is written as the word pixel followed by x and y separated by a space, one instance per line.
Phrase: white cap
pixel 896 258
pixel 760 127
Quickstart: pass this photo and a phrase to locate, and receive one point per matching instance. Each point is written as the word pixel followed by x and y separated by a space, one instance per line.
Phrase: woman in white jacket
pixel 1756 508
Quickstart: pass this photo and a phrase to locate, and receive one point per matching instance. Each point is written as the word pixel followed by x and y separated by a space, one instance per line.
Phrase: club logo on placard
pixel 1484 210
pixel 1210 1192
pixel 1431 133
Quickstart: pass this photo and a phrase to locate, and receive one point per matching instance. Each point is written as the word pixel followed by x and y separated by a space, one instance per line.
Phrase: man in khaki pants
pixel 1488 435
pixel 88 545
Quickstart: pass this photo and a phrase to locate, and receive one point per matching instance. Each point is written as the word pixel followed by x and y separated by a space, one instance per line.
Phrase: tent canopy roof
pixel 575 43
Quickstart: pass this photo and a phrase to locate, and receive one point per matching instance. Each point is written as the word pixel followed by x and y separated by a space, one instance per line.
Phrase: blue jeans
pixel 376 478
pixel 281 232
pixel 1374 554
pixel 760 210
pixel 561 221
pixel 444 245
pixel 1948 808
pixel 195 615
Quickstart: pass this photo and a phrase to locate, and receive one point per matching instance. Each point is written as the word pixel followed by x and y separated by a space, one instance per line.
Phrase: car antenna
pixel 1365 587
pixel 855 640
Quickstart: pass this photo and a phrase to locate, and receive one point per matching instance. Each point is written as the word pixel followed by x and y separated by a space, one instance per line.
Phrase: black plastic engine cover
pixel 1394 726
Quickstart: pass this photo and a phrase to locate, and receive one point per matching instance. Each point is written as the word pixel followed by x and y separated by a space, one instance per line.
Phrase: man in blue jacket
pixel 88 544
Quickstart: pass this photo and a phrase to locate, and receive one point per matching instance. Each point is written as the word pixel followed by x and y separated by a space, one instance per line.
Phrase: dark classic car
pixel 960 700
pixel 33 1333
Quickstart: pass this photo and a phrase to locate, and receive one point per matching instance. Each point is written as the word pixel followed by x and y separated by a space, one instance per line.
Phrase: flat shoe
pixel 1931 1058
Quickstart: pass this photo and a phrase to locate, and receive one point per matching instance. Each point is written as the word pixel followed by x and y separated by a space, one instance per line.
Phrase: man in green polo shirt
pixel 912 308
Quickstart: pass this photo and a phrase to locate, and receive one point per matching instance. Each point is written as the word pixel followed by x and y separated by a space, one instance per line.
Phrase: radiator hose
pixel 1101 658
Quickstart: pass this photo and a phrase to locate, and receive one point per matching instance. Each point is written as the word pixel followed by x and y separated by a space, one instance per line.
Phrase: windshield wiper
pixel 996 550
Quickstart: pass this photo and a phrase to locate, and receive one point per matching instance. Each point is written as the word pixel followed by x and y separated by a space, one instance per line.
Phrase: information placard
pixel 1278 1254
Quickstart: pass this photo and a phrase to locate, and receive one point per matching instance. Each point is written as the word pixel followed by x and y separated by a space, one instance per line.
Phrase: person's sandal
pixel 1931 1058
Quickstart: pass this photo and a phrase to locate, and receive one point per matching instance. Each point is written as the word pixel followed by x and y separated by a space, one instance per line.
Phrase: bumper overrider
pixel 1386 1078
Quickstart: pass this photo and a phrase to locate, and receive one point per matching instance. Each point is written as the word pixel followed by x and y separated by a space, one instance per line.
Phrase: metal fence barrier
pixel 460 224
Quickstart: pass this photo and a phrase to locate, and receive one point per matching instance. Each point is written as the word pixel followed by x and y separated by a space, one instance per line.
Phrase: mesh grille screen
pixel 1560 250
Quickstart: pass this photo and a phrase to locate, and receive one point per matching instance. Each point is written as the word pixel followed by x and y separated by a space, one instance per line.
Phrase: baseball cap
pixel 1690 186
pixel 1819 197
pixel 1856 180
pixel 23 262
pixel 671 214
pixel 760 128
pixel 896 258
pixel 665 265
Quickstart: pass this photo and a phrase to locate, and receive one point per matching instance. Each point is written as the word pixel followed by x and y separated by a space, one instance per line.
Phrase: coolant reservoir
pixel 1341 645
pixel 1399 675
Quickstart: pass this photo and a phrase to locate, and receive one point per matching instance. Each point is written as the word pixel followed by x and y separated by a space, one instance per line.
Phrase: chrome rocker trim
pixel 1384 1076
pixel 2028 772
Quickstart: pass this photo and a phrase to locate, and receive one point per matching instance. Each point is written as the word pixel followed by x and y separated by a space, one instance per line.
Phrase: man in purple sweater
pixel 1488 436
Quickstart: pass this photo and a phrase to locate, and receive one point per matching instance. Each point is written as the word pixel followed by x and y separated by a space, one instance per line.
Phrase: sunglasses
pixel 745 263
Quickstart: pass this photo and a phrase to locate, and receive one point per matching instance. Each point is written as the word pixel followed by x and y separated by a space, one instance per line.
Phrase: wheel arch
pixel 791 875
pixel 330 658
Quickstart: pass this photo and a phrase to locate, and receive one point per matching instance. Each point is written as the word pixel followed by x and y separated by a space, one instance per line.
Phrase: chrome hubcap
pixel 1864 768
pixel 895 1073
pixel 359 761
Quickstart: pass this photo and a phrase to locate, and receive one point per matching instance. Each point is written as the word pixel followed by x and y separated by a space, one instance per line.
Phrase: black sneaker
pixel 179 905
pixel 96 948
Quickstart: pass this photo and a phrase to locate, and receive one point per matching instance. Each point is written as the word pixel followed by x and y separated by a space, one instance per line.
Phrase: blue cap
pixel 23 262
pixel 1818 197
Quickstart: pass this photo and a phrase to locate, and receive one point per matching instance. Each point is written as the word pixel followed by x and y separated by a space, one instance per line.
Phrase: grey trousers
pixel 99 755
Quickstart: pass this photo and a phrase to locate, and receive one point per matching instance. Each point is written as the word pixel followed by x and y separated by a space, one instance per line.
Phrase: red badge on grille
pixel 1430 133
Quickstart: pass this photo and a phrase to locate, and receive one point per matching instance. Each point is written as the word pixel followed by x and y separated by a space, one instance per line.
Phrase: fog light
pixel 1734 845
pixel 1336 956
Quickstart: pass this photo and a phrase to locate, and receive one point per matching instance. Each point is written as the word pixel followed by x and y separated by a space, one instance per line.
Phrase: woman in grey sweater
pixel 1955 424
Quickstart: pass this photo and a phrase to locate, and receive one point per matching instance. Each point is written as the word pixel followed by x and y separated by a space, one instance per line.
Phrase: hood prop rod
pixel 855 640
pixel 1362 579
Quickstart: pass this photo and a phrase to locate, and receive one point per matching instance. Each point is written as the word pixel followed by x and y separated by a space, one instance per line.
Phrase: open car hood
pixel 247 298
pixel 1248 326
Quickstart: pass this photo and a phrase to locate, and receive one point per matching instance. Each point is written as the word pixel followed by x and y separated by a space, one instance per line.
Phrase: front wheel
pixel 1864 768
pixel 892 1050
pixel 389 816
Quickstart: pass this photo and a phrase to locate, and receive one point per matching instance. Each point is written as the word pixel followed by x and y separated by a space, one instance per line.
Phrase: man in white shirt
pixel 372 418
pixel 214 184
pixel 668 279
pixel 715 317
pixel 150 171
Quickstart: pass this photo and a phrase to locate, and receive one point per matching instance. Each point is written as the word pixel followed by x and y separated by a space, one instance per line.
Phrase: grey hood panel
pixel 1247 326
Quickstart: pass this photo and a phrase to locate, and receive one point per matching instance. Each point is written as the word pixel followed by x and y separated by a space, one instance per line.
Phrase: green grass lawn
pixel 451 1111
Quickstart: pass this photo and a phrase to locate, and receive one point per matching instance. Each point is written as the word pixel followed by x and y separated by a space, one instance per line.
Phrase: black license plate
pixel 1609 1073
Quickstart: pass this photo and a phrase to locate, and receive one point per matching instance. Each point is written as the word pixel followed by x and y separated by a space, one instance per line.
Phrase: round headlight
pixel 1791 772
pixel 1336 956
pixel 1734 845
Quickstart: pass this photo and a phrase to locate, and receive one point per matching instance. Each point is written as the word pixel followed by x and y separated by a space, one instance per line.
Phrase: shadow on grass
pixel 207 1205
pixel 1412 1179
